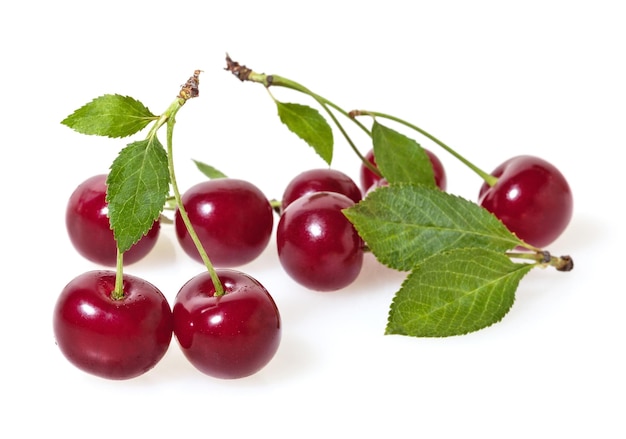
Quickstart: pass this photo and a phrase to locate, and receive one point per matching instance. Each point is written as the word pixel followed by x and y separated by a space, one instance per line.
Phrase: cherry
pixel 87 223
pixel 317 245
pixel 531 197
pixel 107 337
pixel 232 218
pixel 319 180
pixel 368 178
pixel 228 336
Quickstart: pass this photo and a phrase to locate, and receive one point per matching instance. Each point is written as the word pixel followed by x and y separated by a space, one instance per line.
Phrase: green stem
pixel 245 74
pixel 188 91
pixel 118 292
pixel 277 206
pixel 171 121
pixel 488 178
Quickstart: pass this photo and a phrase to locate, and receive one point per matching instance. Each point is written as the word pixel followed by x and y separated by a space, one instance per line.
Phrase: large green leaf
pixel 137 187
pixel 110 115
pixel 308 124
pixel 403 224
pixel 454 293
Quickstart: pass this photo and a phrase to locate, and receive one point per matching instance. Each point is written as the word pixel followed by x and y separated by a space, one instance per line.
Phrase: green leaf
pixel 110 115
pixel 209 171
pixel 308 124
pixel 403 224
pixel 401 159
pixel 454 293
pixel 138 185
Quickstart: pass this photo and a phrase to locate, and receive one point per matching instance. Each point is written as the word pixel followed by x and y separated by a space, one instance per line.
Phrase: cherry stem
pixel 277 206
pixel 246 74
pixel 488 178
pixel 188 91
pixel 544 258
pixel 118 291
pixel 171 121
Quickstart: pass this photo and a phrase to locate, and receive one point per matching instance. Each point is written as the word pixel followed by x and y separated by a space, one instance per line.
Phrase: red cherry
pixel 368 178
pixel 232 218
pixel 532 199
pixel 87 223
pixel 109 338
pixel 440 174
pixel 230 336
pixel 320 180
pixel 317 245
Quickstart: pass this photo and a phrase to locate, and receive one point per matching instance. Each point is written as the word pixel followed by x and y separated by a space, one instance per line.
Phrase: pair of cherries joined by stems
pixel 118 326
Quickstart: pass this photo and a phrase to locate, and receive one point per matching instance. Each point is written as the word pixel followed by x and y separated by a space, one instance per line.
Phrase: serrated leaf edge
pixel 148 117
pixel 315 147
pixel 443 254
pixel 515 241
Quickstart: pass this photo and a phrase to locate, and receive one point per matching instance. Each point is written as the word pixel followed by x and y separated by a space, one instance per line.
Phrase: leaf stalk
pixel 118 291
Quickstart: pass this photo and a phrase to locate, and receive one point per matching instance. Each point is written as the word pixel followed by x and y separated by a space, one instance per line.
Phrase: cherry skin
pixel 111 338
pixel 87 223
pixel 232 218
pixel 381 182
pixel 532 198
pixel 229 336
pixel 320 180
pixel 317 245
pixel 368 178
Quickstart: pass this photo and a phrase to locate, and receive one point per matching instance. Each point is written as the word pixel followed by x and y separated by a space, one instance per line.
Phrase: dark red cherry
pixel 112 338
pixel 317 245
pixel 232 218
pixel 532 198
pixel 87 224
pixel 229 336
pixel 320 180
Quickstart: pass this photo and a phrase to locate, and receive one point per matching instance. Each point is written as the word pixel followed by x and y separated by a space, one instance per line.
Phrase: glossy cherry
pixel 112 338
pixel 317 245
pixel 531 197
pixel 87 224
pixel 232 218
pixel 229 336
pixel 368 178
pixel 320 180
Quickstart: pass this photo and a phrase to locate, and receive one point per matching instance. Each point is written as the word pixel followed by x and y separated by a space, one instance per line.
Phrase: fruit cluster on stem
pixel 115 325
pixel 118 326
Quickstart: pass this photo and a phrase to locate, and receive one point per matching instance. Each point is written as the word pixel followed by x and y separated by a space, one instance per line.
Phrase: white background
pixel 492 79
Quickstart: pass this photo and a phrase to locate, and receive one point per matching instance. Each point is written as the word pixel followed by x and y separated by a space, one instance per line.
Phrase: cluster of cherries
pixel 236 333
